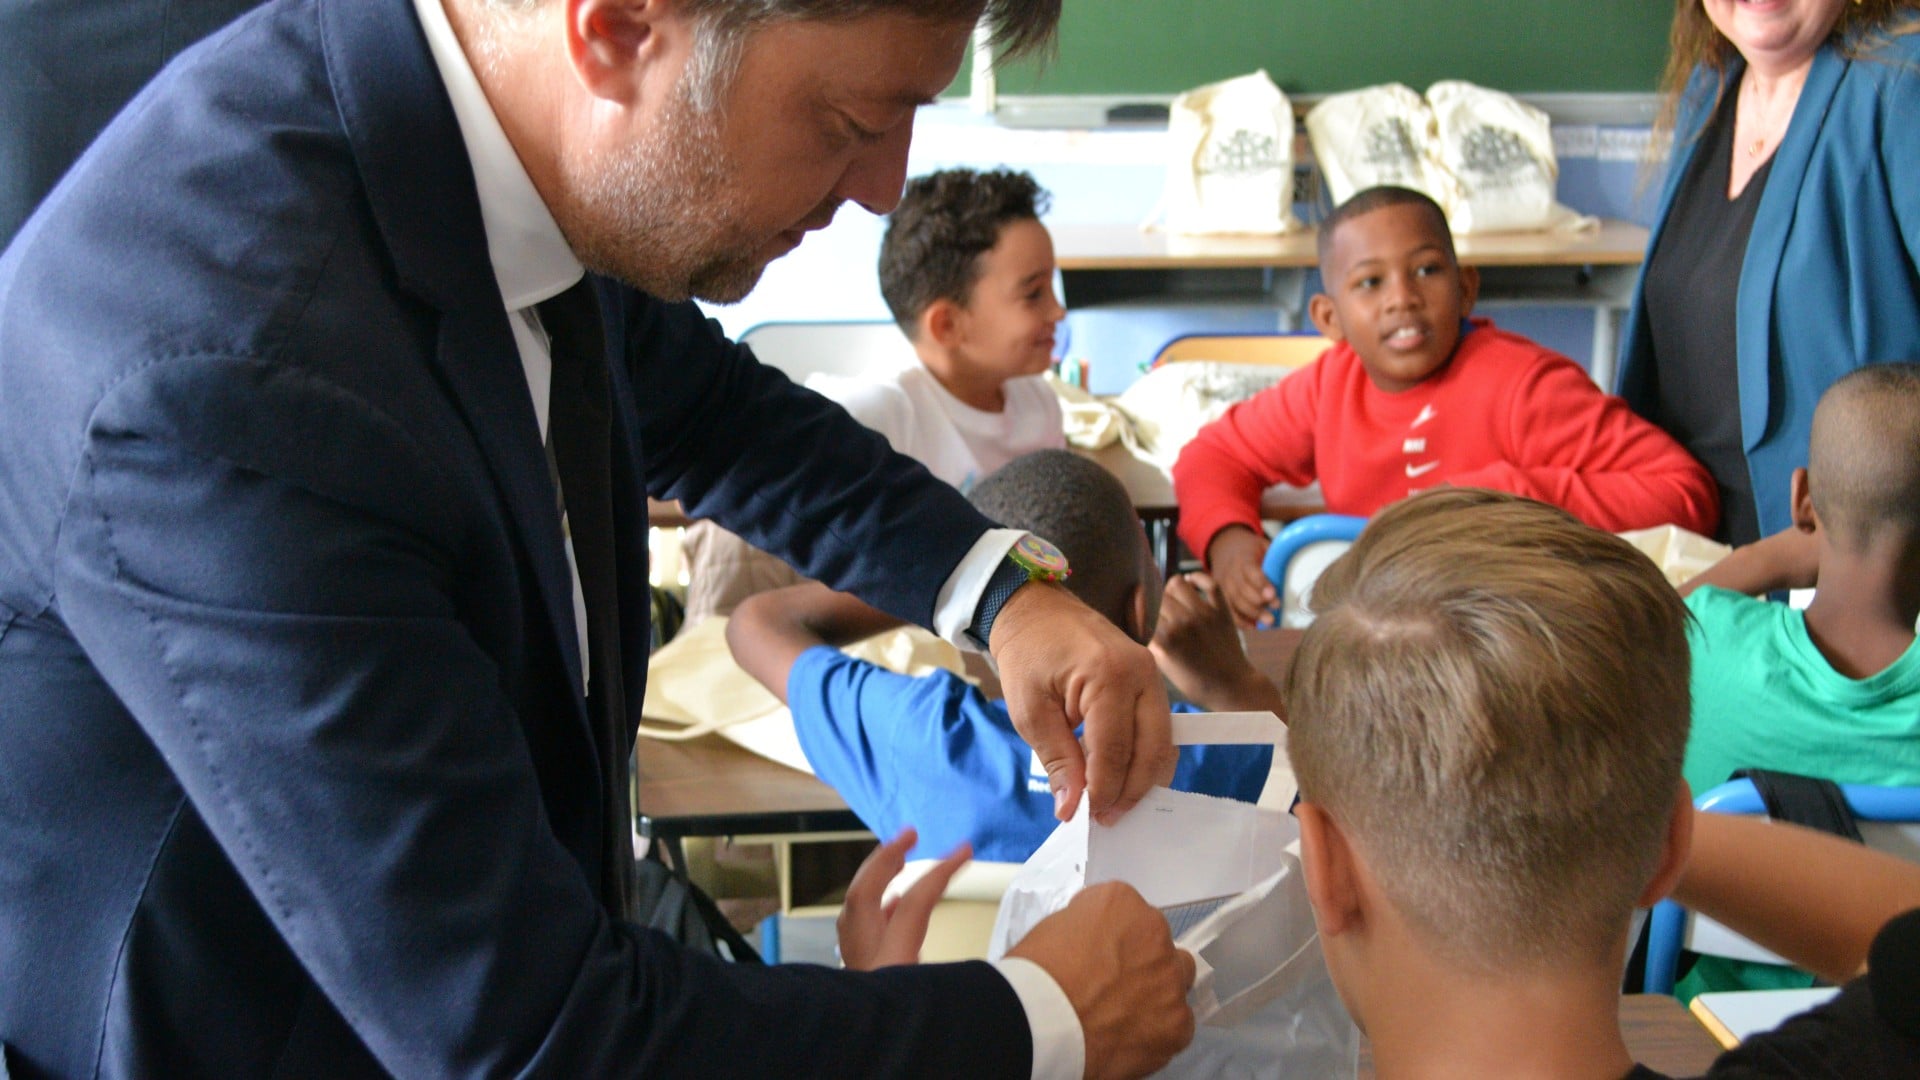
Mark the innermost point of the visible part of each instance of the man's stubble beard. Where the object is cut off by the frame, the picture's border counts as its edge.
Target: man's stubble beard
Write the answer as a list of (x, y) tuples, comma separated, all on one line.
[(664, 213)]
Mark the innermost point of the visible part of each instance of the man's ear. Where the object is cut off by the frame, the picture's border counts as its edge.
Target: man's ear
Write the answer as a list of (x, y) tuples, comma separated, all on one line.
[(1469, 289), (1674, 849), (1800, 495), (615, 44), (1333, 887), (1326, 318)]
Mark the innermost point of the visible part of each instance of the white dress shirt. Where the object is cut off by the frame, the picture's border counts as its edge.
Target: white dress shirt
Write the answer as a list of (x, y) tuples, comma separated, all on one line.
[(532, 263)]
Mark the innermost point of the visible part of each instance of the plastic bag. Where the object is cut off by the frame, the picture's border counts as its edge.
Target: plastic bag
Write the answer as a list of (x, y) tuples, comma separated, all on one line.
[(1227, 874)]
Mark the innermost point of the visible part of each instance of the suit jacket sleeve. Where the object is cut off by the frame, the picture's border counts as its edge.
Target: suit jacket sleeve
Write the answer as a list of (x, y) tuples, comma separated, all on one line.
[(265, 569), (1565, 442), (789, 471)]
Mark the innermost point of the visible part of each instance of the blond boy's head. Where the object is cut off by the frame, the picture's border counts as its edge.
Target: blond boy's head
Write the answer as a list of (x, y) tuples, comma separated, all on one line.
[(1863, 461), (1491, 704)]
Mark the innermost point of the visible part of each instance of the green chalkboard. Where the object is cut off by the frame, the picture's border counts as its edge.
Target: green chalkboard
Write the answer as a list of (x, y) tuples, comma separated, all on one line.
[(1325, 46)]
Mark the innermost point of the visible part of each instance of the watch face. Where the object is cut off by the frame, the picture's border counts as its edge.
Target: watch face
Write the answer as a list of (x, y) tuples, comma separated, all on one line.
[(1040, 558)]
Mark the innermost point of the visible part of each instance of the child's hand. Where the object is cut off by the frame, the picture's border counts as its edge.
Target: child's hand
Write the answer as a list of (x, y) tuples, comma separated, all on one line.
[(876, 934), (1198, 648), (1234, 556), (1789, 559)]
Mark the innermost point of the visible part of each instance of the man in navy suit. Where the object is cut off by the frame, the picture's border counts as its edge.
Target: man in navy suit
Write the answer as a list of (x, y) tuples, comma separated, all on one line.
[(313, 721)]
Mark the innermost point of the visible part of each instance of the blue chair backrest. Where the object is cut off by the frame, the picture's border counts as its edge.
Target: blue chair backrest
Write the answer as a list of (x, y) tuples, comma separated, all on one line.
[(1666, 929), (1299, 535)]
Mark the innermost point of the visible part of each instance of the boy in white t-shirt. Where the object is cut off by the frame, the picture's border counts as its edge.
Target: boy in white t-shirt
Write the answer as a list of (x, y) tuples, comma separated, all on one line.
[(967, 270)]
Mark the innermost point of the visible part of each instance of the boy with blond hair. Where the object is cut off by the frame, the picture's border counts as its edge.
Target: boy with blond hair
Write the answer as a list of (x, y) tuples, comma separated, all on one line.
[(1413, 395), (1487, 721)]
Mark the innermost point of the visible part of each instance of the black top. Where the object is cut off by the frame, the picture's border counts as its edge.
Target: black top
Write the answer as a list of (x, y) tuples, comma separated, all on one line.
[(1693, 284), (1850, 1036)]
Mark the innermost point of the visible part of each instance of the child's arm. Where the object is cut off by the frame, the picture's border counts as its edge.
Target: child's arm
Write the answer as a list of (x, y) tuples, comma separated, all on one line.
[(769, 630), (1789, 559), (1566, 442), (1815, 899), (1222, 472), (1199, 649), (1237, 557)]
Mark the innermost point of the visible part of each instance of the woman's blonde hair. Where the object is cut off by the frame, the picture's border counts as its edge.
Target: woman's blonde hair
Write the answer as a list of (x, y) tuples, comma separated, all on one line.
[(1493, 702)]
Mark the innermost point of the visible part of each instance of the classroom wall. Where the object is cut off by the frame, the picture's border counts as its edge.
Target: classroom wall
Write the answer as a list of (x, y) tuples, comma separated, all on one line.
[(1113, 175)]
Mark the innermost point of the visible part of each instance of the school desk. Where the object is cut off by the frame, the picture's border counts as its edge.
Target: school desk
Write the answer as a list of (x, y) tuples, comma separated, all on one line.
[(1106, 264)]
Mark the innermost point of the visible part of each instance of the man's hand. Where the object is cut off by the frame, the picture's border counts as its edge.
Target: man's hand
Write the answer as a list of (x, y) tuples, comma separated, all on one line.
[(1198, 647), (875, 933), (1234, 556), (1063, 665), (1115, 960)]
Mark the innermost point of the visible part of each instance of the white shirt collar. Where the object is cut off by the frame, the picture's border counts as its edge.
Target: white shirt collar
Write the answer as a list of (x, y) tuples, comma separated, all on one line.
[(531, 259)]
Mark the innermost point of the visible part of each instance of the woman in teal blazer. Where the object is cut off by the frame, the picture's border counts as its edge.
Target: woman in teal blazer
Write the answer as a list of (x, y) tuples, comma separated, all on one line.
[(1827, 278)]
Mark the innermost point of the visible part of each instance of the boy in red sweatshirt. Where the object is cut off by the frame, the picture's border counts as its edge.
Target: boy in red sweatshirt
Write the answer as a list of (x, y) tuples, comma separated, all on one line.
[(1413, 395)]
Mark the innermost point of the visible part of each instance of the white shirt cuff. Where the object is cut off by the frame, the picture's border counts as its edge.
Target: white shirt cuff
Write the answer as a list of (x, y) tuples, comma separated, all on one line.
[(1059, 1046), (953, 610)]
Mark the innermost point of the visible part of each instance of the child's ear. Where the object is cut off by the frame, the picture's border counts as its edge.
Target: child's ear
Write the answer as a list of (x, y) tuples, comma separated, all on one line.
[(1333, 886), (940, 322), (1140, 619), (1800, 495), (1469, 289), (1326, 318), (1674, 849)]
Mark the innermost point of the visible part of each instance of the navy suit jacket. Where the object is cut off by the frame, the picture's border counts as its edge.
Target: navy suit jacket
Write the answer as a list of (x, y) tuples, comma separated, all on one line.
[(295, 771)]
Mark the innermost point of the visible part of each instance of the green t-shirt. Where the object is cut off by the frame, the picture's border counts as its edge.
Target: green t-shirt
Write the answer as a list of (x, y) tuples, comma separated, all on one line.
[(1764, 697)]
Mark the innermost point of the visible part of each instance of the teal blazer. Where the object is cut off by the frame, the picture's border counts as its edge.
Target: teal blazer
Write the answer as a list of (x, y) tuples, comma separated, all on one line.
[(1831, 279)]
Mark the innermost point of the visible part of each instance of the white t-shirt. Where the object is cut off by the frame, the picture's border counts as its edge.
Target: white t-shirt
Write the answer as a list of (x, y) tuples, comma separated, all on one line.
[(955, 441)]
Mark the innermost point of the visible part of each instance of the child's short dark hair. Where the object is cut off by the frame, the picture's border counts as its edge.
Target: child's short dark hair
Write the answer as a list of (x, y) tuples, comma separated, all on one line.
[(945, 221), (1083, 510), (1864, 456), (1379, 198)]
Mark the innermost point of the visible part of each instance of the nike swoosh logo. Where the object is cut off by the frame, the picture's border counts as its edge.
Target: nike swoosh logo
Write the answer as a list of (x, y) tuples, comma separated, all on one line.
[(1426, 414), (1414, 471)]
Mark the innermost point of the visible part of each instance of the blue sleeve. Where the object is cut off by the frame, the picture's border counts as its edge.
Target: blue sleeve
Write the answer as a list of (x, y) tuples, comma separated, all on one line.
[(1230, 772), (931, 752)]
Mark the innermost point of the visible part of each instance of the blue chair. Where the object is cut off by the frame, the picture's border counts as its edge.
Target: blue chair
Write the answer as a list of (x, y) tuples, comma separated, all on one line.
[(1672, 926), (1292, 575)]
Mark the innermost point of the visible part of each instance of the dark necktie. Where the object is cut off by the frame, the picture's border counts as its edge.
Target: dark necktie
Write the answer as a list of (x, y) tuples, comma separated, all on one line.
[(579, 434)]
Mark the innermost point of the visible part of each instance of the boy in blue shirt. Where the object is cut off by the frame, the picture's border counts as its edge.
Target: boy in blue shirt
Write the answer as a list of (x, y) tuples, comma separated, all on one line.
[(934, 751)]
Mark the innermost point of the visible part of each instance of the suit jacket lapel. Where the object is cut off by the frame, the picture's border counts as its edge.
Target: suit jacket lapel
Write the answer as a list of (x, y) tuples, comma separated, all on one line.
[(1766, 245), (380, 67)]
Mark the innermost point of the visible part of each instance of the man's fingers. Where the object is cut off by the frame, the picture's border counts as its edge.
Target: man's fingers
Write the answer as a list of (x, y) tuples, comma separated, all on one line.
[(1051, 736), (1152, 727)]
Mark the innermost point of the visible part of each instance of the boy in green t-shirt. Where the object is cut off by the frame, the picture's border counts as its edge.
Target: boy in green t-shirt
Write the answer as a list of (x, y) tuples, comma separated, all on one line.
[(1834, 691)]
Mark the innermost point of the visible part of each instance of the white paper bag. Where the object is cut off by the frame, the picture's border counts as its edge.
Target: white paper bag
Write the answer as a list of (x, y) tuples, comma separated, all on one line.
[(1228, 876), (1230, 159)]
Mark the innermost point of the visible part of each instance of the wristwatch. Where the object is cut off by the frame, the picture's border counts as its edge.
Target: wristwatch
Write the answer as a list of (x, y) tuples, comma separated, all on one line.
[(1030, 559)]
